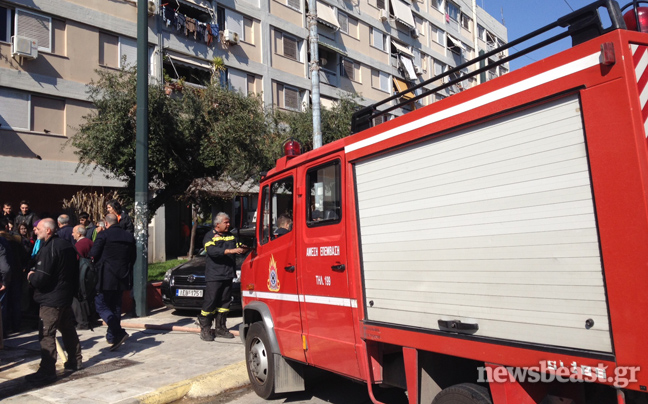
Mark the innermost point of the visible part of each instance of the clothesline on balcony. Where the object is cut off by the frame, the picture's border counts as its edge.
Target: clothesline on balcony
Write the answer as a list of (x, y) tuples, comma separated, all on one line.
[(201, 31)]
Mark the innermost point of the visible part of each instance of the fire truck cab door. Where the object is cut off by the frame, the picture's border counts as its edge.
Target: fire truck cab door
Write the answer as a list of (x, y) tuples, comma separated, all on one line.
[(275, 273), (326, 306)]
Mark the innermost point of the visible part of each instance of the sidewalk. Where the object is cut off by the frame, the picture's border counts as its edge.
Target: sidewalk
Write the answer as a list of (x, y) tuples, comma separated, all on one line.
[(162, 361)]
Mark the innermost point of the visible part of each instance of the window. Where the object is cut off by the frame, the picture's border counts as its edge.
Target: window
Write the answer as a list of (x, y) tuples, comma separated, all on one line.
[(291, 98), (324, 195), (380, 4), (420, 25), (14, 109), (252, 82), (350, 70), (47, 115), (35, 26), (452, 10), (5, 24), (248, 30), (234, 22), (296, 4), (466, 22), (380, 80), (238, 80), (381, 119), (20, 110), (290, 47), (378, 39), (220, 17), (439, 36), (108, 50), (439, 67), (481, 32), (276, 210), (343, 19), (438, 4)]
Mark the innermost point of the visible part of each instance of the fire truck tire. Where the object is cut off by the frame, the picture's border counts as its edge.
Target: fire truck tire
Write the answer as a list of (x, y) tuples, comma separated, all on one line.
[(260, 361), (465, 393)]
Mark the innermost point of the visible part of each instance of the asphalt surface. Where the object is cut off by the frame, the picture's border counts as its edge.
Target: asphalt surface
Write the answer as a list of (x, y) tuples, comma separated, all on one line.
[(163, 361)]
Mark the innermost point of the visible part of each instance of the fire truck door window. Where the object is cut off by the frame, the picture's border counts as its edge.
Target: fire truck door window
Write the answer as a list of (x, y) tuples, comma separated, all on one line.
[(324, 195), (277, 209)]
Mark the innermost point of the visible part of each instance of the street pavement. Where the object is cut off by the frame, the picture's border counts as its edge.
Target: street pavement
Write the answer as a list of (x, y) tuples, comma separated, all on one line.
[(163, 361)]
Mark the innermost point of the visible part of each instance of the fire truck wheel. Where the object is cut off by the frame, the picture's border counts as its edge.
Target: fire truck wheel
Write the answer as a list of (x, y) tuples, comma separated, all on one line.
[(465, 393), (260, 361)]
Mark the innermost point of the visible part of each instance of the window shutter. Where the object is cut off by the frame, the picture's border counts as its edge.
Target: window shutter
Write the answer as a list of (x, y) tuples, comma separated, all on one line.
[(291, 98), (35, 26), (294, 4), (290, 47), (234, 22), (128, 48), (238, 80), (384, 81), (347, 69), (14, 109), (343, 19), (378, 39)]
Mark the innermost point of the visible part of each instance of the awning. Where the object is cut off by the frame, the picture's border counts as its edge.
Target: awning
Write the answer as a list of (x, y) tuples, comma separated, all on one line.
[(333, 48), (455, 42), (189, 61), (402, 86), (402, 49), (326, 15), (409, 67), (192, 4), (403, 13)]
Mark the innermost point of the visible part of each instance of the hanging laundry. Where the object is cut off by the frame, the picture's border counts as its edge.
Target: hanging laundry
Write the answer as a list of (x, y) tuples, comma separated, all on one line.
[(200, 31), (206, 33), (190, 26), (180, 21), (209, 37), (214, 30)]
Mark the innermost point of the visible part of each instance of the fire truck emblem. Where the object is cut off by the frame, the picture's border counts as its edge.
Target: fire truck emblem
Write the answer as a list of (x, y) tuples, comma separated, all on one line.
[(273, 281)]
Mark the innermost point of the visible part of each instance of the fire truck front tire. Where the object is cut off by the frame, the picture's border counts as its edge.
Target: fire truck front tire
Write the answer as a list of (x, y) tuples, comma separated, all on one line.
[(464, 393), (260, 361)]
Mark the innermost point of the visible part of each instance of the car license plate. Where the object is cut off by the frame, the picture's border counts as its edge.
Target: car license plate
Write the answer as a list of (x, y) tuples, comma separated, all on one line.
[(189, 292)]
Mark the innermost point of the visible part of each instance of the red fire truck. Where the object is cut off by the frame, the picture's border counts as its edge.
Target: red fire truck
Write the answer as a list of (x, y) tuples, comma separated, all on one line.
[(491, 247)]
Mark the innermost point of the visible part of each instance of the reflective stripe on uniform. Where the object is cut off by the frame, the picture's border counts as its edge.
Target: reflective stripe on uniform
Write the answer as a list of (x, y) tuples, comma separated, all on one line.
[(217, 239)]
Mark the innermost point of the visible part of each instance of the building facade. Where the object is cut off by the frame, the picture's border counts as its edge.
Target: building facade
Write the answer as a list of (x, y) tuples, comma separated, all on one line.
[(50, 50)]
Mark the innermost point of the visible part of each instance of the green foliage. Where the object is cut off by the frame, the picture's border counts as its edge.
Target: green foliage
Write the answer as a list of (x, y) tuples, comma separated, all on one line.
[(209, 132), (157, 270), (335, 122)]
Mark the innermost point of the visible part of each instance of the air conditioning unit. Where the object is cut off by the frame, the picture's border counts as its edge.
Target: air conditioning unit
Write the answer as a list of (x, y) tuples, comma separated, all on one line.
[(501, 55), (383, 15), (24, 47), (418, 70), (152, 8), (231, 37), (415, 33)]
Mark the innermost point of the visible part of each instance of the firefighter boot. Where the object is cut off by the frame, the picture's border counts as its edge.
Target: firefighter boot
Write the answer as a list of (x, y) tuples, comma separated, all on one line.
[(205, 327), (221, 327)]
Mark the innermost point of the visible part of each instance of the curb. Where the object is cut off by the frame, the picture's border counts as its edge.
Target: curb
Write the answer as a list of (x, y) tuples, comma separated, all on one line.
[(210, 384)]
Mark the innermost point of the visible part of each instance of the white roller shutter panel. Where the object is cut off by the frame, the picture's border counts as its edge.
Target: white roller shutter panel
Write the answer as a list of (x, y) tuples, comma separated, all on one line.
[(238, 80), (35, 26), (128, 48), (14, 109), (492, 225), (234, 22)]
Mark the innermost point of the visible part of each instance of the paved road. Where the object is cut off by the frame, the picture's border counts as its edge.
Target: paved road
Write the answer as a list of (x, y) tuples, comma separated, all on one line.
[(321, 387)]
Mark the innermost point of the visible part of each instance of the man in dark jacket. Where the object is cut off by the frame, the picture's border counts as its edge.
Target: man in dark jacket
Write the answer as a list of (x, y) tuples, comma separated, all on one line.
[(220, 270), (64, 228), (25, 216), (55, 279), (114, 255)]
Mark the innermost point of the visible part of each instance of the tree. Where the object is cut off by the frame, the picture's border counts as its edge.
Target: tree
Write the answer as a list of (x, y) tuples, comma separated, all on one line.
[(204, 132), (335, 122)]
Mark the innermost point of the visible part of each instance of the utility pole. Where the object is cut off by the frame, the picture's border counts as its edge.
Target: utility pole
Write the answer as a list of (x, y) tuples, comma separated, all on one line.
[(140, 273), (314, 71)]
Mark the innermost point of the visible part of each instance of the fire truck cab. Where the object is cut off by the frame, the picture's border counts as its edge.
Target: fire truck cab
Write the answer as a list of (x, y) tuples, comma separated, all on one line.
[(491, 247)]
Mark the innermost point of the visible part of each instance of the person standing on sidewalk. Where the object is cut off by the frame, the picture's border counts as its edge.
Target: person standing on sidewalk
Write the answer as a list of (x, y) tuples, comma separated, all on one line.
[(55, 278), (220, 270), (114, 255)]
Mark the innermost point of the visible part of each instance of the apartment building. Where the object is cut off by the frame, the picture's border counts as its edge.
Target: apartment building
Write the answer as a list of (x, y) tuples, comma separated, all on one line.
[(369, 47)]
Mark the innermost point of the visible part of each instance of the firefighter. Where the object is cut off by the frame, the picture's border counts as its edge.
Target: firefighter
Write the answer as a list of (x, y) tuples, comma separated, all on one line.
[(220, 270)]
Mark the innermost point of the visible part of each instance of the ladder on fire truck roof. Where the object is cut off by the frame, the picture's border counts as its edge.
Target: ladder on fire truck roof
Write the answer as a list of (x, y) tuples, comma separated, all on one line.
[(582, 25)]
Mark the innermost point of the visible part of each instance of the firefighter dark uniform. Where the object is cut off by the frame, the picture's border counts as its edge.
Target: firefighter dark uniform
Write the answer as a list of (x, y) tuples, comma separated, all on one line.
[(220, 270)]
